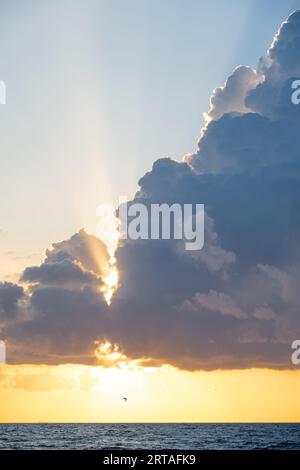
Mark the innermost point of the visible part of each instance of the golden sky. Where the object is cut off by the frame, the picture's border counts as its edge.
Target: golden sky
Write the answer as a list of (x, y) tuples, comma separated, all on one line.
[(72, 393)]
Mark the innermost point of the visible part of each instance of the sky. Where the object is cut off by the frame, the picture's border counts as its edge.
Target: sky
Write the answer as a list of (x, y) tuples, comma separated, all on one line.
[(97, 90), (106, 99)]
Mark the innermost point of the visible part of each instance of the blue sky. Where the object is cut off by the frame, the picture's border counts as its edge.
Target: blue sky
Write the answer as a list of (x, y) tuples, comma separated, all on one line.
[(97, 91)]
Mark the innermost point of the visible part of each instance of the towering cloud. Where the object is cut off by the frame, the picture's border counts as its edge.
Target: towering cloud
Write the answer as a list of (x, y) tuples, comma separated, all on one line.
[(64, 311), (233, 304)]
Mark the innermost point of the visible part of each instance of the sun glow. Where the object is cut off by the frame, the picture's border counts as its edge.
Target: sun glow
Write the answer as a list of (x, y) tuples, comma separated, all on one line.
[(110, 355), (78, 393), (108, 351), (111, 283)]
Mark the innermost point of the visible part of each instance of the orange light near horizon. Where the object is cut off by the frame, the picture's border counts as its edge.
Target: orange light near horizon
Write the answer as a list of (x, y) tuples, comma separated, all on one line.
[(111, 355)]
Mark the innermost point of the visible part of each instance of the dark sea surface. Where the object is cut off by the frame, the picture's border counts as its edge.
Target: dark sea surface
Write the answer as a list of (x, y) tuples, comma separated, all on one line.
[(150, 436)]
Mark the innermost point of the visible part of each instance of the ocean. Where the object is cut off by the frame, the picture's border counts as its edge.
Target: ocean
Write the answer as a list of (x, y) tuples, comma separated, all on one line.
[(150, 436)]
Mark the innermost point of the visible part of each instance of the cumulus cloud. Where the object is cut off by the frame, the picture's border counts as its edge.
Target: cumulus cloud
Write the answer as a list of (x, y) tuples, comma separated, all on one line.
[(86, 249), (231, 97), (10, 295), (64, 304), (272, 97), (216, 302), (234, 304), (61, 272), (246, 172), (284, 51)]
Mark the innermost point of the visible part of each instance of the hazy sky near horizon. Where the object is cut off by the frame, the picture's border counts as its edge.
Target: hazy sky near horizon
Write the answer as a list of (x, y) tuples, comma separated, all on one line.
[(97, 91), (72, 393)]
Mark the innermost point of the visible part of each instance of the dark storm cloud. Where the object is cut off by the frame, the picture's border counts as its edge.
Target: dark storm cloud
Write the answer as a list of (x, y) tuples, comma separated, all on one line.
[(10, 295), (233, 304), (63, 326), (245, 312), (65, 307), (62, 272)]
